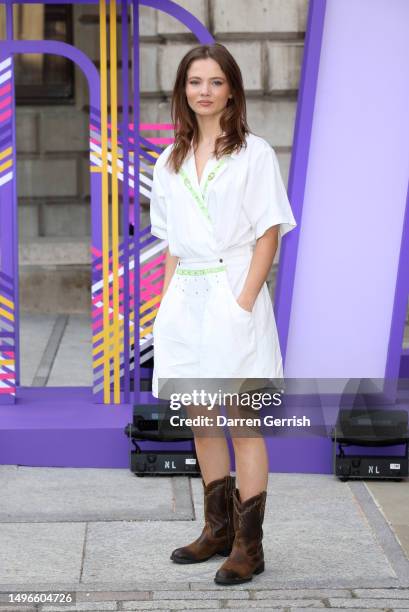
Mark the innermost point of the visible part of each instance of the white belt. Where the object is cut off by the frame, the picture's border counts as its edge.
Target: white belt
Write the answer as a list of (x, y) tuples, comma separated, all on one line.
[(223, 256)]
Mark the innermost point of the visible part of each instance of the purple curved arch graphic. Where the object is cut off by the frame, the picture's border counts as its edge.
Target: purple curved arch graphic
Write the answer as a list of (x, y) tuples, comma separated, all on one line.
[(182, 15), (52, 47)]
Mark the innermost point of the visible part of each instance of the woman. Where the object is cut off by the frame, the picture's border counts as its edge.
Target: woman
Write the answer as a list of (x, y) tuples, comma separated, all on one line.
[(219, 201)]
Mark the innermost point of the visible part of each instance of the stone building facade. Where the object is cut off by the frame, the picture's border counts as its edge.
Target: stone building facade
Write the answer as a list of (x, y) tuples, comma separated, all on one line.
[(267, 39)]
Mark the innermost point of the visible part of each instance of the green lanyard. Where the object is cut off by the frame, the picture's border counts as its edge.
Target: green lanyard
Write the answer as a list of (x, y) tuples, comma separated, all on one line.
[(200, 197)]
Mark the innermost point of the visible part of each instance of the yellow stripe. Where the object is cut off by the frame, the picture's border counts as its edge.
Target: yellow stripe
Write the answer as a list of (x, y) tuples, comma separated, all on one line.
[(105, 203), (6, 153), (98, 349), (6, 302), (4, 362), (95, 169), (115, 205), (6, 165), (146, 331), (150, 303), (142, 309), (148, 317), (6, 314), (98, 154), (98, 336)]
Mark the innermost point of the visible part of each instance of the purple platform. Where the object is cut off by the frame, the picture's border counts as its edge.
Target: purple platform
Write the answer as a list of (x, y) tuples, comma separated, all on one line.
[(62, 427)]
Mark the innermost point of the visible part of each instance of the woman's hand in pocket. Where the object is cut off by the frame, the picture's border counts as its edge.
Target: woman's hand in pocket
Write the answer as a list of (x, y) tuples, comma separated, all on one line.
[(245, 303)]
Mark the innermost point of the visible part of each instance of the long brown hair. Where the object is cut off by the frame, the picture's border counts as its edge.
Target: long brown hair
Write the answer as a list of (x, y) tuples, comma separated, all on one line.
[(233, 119)]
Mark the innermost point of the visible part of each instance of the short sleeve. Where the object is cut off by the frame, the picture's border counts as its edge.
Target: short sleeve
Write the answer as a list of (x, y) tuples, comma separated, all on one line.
[(158, 207), (266, 202)]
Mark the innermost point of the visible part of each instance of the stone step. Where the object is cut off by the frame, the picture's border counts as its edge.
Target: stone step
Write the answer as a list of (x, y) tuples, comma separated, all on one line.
[(55, 275), (54, 251)]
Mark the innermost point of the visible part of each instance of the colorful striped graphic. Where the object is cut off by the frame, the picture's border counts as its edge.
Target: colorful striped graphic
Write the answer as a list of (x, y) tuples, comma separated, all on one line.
[(7, 300), (7, 332), (121, 170), (112, 158), (6, 116), (151, 269)]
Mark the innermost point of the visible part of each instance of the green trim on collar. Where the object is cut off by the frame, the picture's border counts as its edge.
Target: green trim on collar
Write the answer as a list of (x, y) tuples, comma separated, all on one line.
[(199, 196)]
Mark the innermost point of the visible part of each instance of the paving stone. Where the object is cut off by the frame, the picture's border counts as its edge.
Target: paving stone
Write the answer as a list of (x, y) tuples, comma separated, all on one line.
[(83, 605), (369, 603), (301, 593), (158, 595), (264, 603), (255, 609), (393, 498), (322, 509), (382, 593), (113, 595), (7, 608), (190, 604), (88, 494), (40, 551), (295, 609)]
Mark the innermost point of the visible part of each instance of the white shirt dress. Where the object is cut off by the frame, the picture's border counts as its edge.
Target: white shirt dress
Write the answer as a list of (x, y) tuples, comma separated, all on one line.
[(200, 331)]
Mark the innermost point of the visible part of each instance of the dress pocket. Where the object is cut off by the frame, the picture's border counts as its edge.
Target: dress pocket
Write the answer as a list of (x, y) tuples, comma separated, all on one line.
[(228, 337), (242, 311)]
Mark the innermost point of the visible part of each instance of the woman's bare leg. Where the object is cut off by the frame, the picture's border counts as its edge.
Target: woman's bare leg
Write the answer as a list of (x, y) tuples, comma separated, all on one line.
[(211, 446), (214, 458), (250, 453), (251, 465)]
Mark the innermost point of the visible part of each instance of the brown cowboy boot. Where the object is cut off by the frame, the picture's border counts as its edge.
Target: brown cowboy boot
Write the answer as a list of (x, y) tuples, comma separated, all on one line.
[(218, 533), (247, 556)]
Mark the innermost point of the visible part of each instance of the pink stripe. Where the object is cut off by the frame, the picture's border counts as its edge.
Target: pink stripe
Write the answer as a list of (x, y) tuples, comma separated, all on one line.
[(5, 102), (152, 264), (5, 116), (154, 126), (96, 327), (156, 140), (98, 297), (161, 140), (96, 312), (5, 89), (146, 271), (8, 390), (148, 278), (6, 376), (150, 283)]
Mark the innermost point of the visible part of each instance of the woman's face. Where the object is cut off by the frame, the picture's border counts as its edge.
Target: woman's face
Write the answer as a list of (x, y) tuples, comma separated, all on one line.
[(206, 82)]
